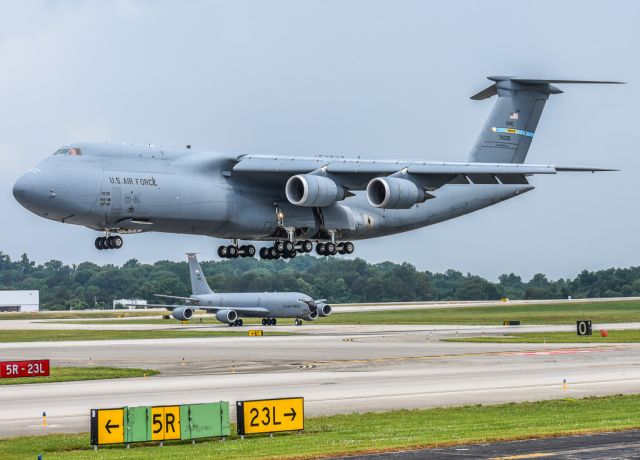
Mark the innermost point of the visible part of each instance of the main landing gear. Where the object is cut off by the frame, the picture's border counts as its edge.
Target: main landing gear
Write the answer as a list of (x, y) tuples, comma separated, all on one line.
[(286, 249), (237, 322), (269, 321), (109, 242), (233, 251), (331, 249)]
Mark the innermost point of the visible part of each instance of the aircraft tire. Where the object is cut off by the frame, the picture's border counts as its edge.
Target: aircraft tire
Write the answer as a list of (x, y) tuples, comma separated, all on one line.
[(298, 322), (279, 246), (250, 250), (264, 321), (330, 249), (239, 321), (307, 246), (289, 246), (232, 252), (116, 242), (273, 321), (349, 247), (222, 252), (98, 243), (292, 254), (264, 253), (320, 248)]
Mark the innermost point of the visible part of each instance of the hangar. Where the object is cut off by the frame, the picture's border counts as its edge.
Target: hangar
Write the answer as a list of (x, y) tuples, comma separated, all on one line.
[(19, 301)]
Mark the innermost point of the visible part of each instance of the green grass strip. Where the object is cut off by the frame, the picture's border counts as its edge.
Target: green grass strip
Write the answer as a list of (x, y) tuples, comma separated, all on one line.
[(37, 335), (67, 374), (349, 434), (622, 336)]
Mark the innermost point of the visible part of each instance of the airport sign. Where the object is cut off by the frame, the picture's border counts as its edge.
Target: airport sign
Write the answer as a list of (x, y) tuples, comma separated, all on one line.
[(33, 368), (270, 415), (255, 332), (584, 328), (107, 426), (159, 423)]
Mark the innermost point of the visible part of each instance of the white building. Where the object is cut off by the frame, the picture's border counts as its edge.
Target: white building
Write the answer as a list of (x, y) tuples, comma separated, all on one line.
[(131, 304), (19, 301)]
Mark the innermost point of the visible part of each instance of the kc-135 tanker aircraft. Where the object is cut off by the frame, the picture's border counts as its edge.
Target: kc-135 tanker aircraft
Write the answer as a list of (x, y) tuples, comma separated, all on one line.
[(288, 200), (229, 308)]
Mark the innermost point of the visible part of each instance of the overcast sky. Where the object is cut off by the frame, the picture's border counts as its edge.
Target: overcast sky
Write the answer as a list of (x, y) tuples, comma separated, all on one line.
[(380, 79)]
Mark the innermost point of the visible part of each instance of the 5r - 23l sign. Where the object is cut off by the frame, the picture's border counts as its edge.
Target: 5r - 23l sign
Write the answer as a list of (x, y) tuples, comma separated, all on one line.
[(270, 415)]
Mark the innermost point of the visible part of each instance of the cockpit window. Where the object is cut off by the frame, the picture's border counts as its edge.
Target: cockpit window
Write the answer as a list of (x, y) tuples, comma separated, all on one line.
[(71, 151)]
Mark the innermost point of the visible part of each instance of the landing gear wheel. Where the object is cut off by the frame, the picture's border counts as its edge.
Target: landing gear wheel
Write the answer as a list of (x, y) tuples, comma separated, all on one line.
[(232, 252), (264, 321), (222, 252), (289, 246), (330, 249), (298, 322), (307, 246), (250, 250), (279, 246), (116, 242), (348, 247), (264, 253), (273, 321), (99, 243), (320, 249), (239, 322)]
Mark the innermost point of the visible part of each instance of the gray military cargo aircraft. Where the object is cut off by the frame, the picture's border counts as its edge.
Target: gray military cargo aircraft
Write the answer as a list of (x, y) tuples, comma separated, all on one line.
[(290, 201), (230, 307)]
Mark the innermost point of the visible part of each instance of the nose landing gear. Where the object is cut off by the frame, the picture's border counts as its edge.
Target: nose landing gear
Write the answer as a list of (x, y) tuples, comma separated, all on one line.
[(109, 242)]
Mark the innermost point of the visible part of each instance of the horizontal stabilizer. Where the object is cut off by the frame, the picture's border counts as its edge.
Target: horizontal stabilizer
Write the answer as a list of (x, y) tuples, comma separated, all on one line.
[(493, 89)]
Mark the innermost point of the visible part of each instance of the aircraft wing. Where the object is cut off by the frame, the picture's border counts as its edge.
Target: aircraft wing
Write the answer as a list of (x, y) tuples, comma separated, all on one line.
[(355, 174), (186, 299)]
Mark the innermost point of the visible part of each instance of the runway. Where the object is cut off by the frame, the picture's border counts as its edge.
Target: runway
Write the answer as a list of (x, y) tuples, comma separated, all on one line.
[(609, 446), (337, 369)]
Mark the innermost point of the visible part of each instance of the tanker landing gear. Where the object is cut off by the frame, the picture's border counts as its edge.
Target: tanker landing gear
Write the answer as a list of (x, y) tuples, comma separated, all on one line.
[(237, 322), (109, 242), (269, 321), (331, 249), (233, 250), (298, 322)]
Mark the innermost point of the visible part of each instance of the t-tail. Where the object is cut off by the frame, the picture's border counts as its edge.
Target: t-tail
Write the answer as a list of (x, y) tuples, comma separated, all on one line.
[(509, 130), (199, 283)]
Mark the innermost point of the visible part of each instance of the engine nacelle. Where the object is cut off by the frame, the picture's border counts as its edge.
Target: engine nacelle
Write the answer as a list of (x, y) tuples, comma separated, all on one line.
[(182, 313), (312, 316), (226, 316), (324, 309), (393, 193), (313, 191)]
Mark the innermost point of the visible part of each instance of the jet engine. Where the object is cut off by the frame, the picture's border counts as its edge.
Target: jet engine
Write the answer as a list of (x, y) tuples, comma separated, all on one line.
[(226, 316), (182, 313), (313, 191), (393, 193), (312, 316), (324, 309)]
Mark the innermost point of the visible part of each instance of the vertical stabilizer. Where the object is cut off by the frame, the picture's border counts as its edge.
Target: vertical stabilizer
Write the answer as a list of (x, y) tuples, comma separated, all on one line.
[(199, 283), (509, 130)]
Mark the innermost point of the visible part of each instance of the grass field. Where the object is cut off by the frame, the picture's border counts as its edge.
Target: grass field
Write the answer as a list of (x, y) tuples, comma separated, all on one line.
[(623, 336), (66, 374), (35, 335), (78, 314), (348, 434), (561, 313)]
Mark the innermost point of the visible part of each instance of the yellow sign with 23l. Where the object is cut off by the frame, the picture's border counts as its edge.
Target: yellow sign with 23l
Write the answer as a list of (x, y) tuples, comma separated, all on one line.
[(270, 415)]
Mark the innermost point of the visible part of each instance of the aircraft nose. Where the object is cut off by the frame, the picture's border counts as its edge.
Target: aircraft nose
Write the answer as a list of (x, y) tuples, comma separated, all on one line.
[(23, 190)]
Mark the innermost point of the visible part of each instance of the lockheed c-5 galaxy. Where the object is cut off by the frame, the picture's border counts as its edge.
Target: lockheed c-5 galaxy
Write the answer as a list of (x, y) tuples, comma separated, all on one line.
[(229, 308), (290, 201)]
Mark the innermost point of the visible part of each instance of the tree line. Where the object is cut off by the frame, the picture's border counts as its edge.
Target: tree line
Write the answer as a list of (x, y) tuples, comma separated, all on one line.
[(88, 285)]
